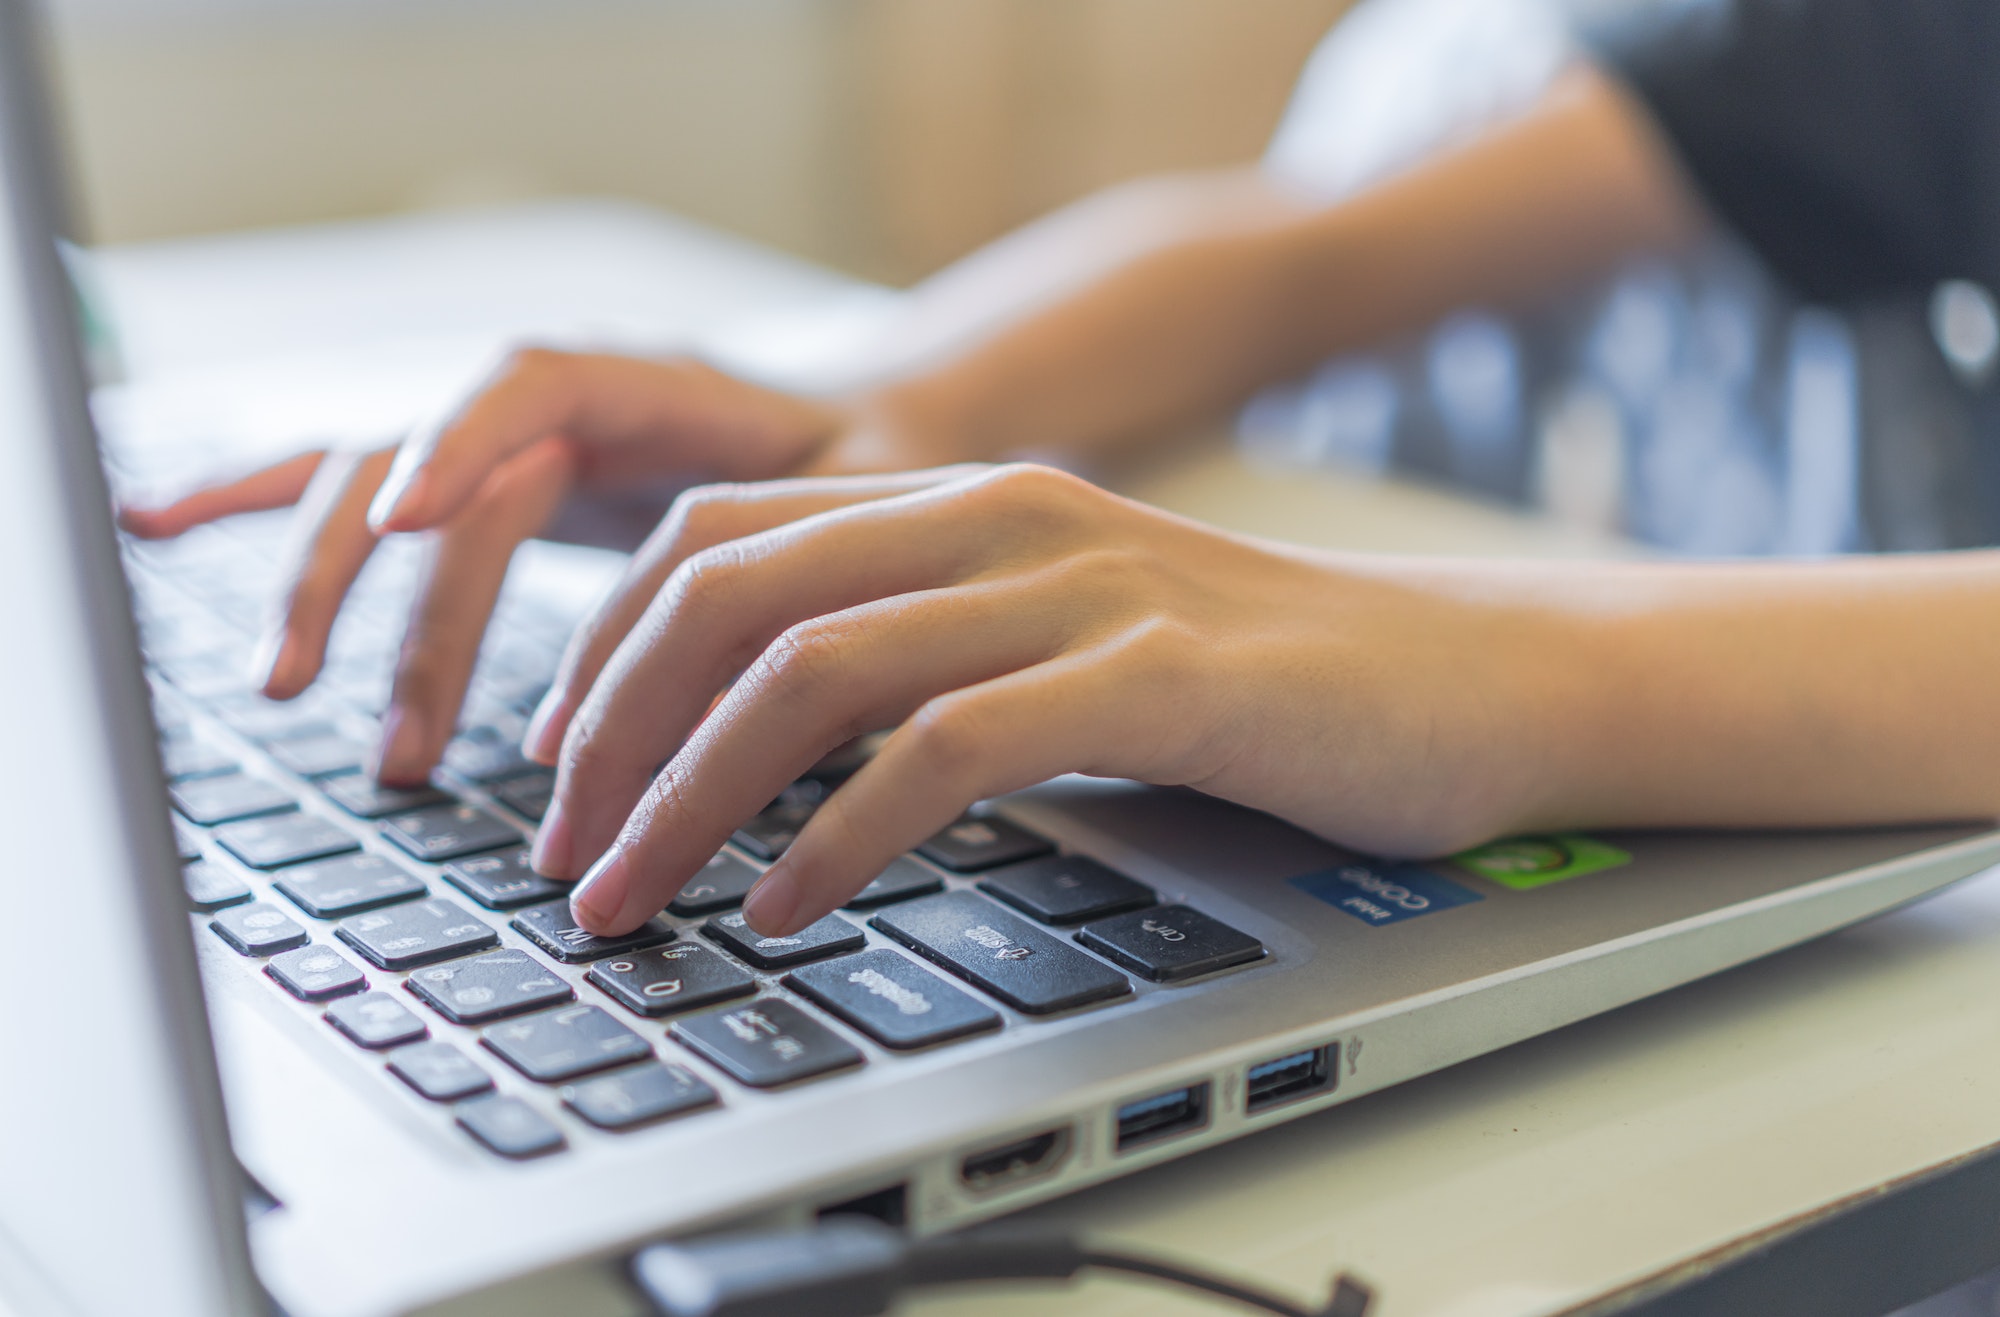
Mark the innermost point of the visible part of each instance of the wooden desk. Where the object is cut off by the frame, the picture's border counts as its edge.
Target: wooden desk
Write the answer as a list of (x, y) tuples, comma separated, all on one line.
[(1533, 1181)]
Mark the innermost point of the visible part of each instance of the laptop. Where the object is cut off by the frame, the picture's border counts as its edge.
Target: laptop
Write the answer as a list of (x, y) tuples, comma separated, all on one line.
[(277, 1039)]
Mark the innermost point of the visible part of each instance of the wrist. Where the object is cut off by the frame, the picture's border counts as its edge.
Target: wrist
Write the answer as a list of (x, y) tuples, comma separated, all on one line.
[(909, 425)]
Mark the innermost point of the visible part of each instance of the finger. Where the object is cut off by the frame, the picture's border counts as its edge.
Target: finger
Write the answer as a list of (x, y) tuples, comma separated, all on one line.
[(1063, 716), (823, 683), (440, 467), (329, 546), (633, 417), (276, 486), (699, 519), (459, 584), (718, 611)]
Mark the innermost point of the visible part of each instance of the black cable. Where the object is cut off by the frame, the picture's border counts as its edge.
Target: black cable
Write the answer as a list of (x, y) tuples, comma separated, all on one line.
[(1215, 1285), (854, 1267)]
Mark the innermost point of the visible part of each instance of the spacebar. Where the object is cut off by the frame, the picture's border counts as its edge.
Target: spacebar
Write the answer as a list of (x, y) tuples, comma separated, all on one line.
[(1015, 961)]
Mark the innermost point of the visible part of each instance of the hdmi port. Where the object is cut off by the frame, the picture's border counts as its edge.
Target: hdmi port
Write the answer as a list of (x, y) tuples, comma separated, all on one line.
[(1011, 1163)]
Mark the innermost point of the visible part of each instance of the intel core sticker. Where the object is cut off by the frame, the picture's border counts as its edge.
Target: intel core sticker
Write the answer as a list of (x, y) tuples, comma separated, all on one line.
[(1525, 863), (1384, 895)]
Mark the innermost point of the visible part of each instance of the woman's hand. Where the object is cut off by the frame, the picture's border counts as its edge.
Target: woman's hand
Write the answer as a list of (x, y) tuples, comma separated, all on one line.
[(1012, 624), (492, 475)]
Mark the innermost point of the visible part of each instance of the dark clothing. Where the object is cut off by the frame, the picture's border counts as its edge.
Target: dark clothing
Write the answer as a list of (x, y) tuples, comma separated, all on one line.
[(1854, 143)]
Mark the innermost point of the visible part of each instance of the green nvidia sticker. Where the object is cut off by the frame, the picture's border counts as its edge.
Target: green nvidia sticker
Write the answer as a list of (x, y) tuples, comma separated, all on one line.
[(1527, 862)]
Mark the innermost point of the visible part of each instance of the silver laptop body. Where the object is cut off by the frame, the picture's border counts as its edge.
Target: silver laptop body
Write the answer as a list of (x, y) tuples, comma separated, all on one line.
[(120, 1188)]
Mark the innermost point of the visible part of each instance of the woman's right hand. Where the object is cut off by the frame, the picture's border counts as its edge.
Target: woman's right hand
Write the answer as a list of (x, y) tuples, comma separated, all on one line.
[(491, 475)]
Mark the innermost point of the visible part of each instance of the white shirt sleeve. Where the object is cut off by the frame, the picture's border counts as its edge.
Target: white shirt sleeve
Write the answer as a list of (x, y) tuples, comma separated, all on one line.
[(1398, 80)]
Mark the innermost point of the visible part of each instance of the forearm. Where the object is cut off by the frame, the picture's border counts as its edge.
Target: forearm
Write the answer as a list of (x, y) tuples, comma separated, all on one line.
[(1847, 692), (1191, 326)]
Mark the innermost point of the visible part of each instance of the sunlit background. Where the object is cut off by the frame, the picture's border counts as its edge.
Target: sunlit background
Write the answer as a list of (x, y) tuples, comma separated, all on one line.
[(1694, 406)]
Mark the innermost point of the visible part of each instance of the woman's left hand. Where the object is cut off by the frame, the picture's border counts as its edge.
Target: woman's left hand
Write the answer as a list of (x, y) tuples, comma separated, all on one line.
[(1013, 624)]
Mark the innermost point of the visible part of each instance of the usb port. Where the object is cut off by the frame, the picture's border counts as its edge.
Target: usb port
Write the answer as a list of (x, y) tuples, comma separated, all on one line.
[(1286, 1078), (1151, 1119)]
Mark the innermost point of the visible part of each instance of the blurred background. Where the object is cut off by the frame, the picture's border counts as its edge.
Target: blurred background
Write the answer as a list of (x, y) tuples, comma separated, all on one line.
[(884, 137), (1696, 406)]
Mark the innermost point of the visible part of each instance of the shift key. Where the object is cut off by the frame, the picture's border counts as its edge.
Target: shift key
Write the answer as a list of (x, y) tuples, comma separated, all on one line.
[(1016, 962)]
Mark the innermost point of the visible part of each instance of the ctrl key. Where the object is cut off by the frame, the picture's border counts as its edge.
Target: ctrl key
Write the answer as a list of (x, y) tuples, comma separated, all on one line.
[(508, 1126), (258, 929)]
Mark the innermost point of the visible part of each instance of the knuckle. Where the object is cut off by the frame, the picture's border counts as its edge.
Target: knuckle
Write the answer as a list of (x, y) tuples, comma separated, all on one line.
[(694, 510), (704, 579), (530, 363), (805, 661), (947, 737), (1034, 483)]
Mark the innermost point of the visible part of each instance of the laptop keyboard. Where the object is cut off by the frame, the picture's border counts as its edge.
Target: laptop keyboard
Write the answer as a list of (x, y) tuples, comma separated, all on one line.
[(410, 920)]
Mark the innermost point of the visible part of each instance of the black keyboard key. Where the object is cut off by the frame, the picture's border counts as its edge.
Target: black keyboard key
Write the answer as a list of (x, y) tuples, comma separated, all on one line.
[(187, 842), (365, 798), (1007, 956), (502, 881), (282, 839), (446, 832), (975, 844), (186, 759), (564, 1044), (439, 1071), (722, 883), (664, 980), (529, 794), (550, 927), (230, 797), (637, 1094), (258, 929), (418, 933), (767, 835), (335, 889), (316, 973), (892, 999), (766, 1042), (376, 1020), (903, 879), (1066, 889), (1170, 943), (318, 756), (211, 887), (485, 755), (489, 987), (825, 937), (508, 1126)]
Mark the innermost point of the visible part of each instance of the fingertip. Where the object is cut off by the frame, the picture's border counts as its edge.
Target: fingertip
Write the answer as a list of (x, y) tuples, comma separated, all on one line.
[(772, 907), (400, 758), (398, 504), (146, 523), (542, 742), (600, 898), (554, 847)]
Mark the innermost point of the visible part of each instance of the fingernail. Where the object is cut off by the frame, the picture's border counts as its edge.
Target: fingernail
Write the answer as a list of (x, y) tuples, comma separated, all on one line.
[(271, 661), (551, 856), (771, 904), (395, 495), (536, 741), (601, 895)]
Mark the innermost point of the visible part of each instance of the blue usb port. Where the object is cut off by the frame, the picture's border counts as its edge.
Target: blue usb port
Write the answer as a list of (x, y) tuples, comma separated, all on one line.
[(1289, 1077), (1161, 1117)]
